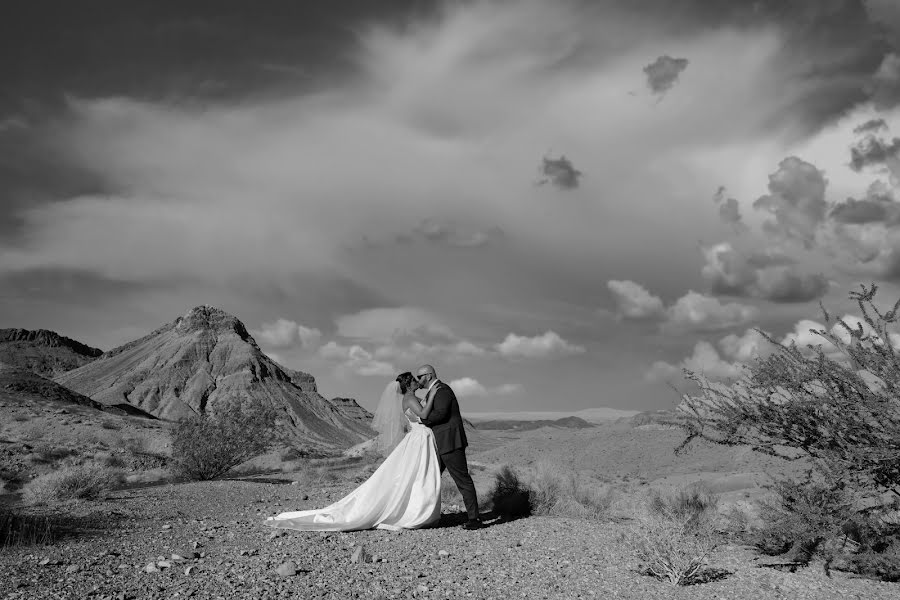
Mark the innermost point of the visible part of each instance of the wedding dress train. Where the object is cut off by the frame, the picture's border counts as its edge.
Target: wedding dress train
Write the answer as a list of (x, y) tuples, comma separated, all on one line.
[(403, 493)]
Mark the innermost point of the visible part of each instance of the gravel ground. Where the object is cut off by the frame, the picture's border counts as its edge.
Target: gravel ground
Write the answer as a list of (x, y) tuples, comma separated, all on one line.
[(218, 528)]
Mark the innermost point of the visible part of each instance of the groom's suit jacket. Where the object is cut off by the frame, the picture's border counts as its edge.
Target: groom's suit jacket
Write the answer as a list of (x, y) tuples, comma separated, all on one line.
[(445, 420)]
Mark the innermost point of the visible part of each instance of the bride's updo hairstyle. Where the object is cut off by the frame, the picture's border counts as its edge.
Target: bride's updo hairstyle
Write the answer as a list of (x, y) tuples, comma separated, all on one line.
[(405, 380)]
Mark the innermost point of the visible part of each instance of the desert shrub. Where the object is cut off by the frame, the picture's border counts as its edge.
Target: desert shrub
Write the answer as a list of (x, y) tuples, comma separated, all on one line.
[(510, 496), (18, 529), (673, 535), (113, 425), (78, 482), (565, 493), (839, 411), (108, 459), (207, 446)]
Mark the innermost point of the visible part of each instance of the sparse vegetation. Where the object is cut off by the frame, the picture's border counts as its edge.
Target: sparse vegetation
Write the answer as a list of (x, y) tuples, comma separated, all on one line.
[(77, 482), (209, 445), (18, 529), (509, 496), (674, 534), (549, 492), (836, 407)]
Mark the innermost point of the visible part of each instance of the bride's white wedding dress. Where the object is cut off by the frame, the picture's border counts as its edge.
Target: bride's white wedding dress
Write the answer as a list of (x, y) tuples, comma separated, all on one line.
[(403, 493)]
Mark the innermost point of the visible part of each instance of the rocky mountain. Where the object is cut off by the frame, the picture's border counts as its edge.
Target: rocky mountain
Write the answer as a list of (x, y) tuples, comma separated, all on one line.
[(201, 361), (352, 410), (21, 385), (43, 352)]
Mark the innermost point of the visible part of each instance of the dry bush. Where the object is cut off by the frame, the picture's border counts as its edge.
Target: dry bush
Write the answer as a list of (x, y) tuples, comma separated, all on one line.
[(209, 445), (79, 482), (113, 425), (673, 535), (510, 497), (839, 411), (18, 529)]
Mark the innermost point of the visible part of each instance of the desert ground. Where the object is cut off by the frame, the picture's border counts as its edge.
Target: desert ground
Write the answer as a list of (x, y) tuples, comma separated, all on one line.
[(158, 538)]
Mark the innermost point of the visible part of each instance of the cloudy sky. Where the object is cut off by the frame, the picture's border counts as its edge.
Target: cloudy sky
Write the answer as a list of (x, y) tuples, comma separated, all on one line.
[(558, 203)]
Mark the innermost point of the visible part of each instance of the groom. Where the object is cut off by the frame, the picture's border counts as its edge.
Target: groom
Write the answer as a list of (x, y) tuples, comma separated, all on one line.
[(450, 438)]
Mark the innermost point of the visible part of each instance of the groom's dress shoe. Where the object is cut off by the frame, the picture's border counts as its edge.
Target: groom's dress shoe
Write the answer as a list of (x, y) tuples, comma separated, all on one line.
[(473, 524)]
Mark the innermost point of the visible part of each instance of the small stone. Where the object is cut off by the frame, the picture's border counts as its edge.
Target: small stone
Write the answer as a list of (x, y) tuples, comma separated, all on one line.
[(164, 564), (288, 569), (520, 543), (422, 589), (166, 527), (304, 497), (189, 570), (44, 561), (443, 553), (151, 568), (295, 483), (73, 569), (359, 555)]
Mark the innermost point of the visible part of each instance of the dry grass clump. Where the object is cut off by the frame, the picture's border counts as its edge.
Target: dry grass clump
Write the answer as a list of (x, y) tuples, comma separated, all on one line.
[(565, 493), (549, 491), (18, 529), (77, 482), (673, 535)]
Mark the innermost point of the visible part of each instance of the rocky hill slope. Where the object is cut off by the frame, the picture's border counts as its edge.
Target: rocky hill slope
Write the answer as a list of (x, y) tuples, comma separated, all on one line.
[(202, 360), (44, 352)]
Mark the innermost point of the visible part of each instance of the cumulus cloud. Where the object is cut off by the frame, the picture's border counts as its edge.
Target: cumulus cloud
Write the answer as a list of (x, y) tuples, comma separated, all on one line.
[(796, 200), (356, 359), (885, 85), (559, 172), (466, 387), (870, 126), (759, 275), (635, 302), (704, 360), (879, 205), (664, 72), (873, 151), (746, 347), (284, 333), (699, 312), (546, 345)]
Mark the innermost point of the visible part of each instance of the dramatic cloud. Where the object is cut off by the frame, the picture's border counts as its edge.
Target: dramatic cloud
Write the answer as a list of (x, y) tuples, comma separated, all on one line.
[(878, 206), (874, 151), (635, 302), (284, 333), (547, 345), (885, 85), (765, 276), (729, 211), (663, 73), (745, 348), (796, 200), (698, 312), (559, 172), (870, 126)]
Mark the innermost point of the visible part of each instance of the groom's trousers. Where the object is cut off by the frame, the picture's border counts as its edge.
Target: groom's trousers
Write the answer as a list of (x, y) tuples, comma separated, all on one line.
[(455, 462)]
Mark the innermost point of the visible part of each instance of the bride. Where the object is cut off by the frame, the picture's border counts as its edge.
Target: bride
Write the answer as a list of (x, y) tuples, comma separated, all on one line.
[(405, 491)]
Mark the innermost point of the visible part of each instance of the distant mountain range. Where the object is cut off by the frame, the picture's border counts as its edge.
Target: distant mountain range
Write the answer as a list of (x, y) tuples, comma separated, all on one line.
[(591, 415), (192, 365), (522, 425), (43, 352)]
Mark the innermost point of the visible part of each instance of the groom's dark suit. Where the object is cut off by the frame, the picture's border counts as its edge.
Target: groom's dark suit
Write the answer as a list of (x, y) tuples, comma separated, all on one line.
[(450, 439)]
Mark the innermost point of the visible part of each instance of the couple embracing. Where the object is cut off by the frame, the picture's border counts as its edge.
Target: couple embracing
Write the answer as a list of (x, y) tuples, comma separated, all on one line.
[(420, 439)]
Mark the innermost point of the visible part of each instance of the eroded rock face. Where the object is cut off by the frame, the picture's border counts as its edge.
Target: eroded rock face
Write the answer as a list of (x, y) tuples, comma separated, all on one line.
[(43, 352), (352, 410), (199, 362)]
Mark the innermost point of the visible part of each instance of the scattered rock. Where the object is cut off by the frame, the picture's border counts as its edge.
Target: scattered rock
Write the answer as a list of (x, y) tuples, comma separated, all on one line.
[(189, 570), (164, 564), (73, 569), (443, 553), (166, 527), (287, 569), (359, 555), (151, 568)]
